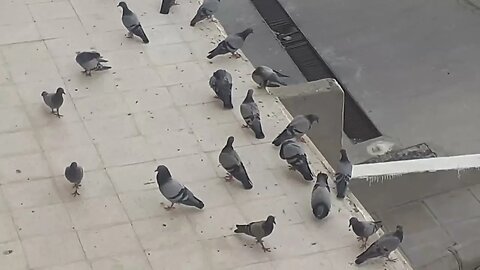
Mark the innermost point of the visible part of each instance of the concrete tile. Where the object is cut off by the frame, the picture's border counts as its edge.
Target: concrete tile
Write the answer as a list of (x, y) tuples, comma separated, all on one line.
[(31, 193), (21, 32), (8, 96), (143, 204), (96, 212), (168, 54), (51, 11), (22, 73), (192, 93), (40, 115), (43, 251), (133, 177), (280, 207), (132, 150), (18, 143), (81, 86), (265, 185), (216, 222), (80, 265), (257, 266), (476, 191), (173, 143), (38, 221), (127, 59), (104, 242), (200, 34), (185, 72), (192, 254), (8, 231), (86, 155), (314, 261), (464, 231), (213, 192), (290, 240), (61, 27), (16, 260), (15, 53), (189, 168), (30, 92), (25, 167), (115, 128), (165, 34), (67, 46), (113, 40), (3, 203), (69, 135), (13, 13), (137, 261), (215, 138), (158, 121), (445, 206), (147, 99), (94, 184), (105, 105), (164, 232), (204, 115), (128, 79)]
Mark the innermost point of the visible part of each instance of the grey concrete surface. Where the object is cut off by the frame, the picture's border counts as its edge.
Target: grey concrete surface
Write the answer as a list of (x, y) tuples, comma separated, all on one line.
[(323, 95), (439, 210)]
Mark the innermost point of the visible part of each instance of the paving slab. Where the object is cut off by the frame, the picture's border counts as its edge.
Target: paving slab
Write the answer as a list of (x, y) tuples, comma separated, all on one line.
[(153, 107)]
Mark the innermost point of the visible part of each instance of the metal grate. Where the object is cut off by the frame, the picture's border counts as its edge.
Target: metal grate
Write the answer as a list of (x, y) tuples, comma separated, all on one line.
[(357, 126)]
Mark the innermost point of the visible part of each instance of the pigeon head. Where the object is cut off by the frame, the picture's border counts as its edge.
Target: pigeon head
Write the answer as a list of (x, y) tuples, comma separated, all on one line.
[(44, 93), (399, 232), (122, 4), (249, 97), (60, 91), (74, 165), (163, 174), (271, 220), (312, 118), (344, 157), (244, 34), (353, 221), (230, 141), (322, 180)]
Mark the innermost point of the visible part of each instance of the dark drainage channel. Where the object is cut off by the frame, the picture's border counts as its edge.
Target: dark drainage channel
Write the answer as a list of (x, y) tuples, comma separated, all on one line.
[(357, 125)]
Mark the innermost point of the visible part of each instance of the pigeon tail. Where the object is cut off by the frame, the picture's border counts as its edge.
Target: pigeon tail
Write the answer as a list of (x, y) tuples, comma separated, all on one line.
[(280, 74), (227, 102), (341, 182), (194, 201), (257, 129), (285, 135), (240, 173), (304, 169), (102, 67), (369, 253), (321, 210), (198, 17), (242, 229), (275, 84)]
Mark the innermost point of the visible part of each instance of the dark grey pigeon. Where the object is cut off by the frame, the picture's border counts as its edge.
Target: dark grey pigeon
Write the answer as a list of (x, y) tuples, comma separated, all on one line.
[(231, 44), (54, 100), (131, 22), (174, 191), (258, 229), (293, 153), (343, 175), (385, 245), (265, 76), (300, 125), (364, 229), (230, 161), (320, 201), (91, 61), (251, 115), (221, 83), (74, 175), (206, 10)]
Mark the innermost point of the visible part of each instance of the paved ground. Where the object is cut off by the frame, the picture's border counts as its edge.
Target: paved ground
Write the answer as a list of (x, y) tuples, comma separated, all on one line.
[(154, 107)]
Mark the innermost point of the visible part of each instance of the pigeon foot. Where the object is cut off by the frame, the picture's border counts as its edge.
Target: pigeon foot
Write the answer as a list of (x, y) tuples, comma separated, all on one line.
[(228, 177)]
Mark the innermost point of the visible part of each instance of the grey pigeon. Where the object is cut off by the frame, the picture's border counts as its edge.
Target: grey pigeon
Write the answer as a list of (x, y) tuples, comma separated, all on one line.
[(343, 175), (383, 246), (206, 10), (293, 153), (91, 61), (74, 175), (230, 161), (364, 229), (300, 125), (258, 229), (54, 100), (131, 22), (174, 191), (265, 76), (320, 201), (251, 115), (221, 83), (231, 44)]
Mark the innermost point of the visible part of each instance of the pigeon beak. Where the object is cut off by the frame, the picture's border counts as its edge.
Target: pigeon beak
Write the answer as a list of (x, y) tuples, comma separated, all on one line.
[(156, 170)]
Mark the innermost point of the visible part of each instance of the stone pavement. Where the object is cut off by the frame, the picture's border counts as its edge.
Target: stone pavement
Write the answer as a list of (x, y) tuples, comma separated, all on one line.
[(153, 107)]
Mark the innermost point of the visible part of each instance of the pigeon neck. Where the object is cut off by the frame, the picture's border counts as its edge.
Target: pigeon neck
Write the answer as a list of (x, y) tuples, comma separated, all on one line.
[(244, 34), (248, 99), (399, 234), (344, 157), (126, 11)]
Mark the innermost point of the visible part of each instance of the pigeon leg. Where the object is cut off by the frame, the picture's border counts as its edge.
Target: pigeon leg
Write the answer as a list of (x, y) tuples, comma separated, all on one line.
[(364, 244), (75, 193), (236, 55), (291, 168), (244, 126), (53, 112), (228, 177), (174, 3), (390, 260), (129, 35), (58, 113), (265, 249), (170, 207), (216, 97), (302, 140), (88, 73)]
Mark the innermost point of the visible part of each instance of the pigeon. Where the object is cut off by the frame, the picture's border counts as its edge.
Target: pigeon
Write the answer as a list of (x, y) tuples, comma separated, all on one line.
[(231, 44), (206, 10), (258, 229), (343, 175), (54, 100), (300, 125), (74, 175), (383, 246), (221, 83), (174, 191), (231, 162), (91, 61), (251, 115), (131, 22), (320, 201), (265, 76), (364, 229), (293, 153)]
